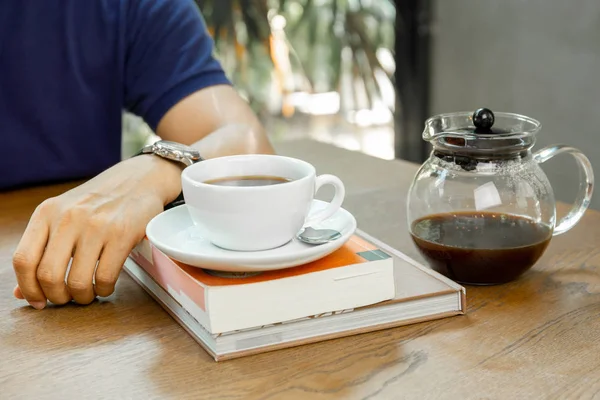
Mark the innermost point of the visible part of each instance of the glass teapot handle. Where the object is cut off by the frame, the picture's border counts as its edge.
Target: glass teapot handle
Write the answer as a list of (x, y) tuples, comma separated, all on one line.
[(586, 186)]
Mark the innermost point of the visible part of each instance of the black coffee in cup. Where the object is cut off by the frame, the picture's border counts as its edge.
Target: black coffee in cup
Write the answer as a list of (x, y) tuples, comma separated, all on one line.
[(254, 180)]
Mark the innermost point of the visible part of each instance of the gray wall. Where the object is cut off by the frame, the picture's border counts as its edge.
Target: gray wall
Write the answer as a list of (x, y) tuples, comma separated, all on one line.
[(540, 58)]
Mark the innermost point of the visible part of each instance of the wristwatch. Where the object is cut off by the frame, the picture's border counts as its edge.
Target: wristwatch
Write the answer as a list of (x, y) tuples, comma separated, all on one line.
[(176, 152), (172, 151)]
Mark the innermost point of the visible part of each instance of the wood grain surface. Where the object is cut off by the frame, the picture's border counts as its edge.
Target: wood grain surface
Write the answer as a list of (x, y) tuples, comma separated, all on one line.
[(536, 338)]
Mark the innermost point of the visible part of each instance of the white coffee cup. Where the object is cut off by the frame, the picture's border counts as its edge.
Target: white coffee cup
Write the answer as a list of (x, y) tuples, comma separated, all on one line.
[(252, 218)]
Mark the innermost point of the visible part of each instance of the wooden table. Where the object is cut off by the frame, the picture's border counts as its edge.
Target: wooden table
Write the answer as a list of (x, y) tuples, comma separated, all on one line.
[(538, 337)]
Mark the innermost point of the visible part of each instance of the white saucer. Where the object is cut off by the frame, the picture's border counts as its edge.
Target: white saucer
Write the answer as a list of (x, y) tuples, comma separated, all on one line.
[(174, 233)]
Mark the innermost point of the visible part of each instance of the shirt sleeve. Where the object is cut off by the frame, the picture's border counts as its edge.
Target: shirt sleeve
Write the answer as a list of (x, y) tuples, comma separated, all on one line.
[(168, 56)]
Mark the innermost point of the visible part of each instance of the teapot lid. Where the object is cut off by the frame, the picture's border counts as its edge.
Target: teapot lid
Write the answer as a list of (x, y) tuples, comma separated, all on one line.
[(481, 133)]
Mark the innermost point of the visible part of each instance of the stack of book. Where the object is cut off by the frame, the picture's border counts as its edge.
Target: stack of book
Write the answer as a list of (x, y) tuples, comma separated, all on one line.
[(364, 286)]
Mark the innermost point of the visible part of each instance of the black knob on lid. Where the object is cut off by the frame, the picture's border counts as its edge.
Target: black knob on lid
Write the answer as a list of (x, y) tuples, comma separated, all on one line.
[(483, 119)]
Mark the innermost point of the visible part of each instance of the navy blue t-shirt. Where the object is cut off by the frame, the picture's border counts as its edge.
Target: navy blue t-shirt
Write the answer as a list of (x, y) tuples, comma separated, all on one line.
[(68, 68)]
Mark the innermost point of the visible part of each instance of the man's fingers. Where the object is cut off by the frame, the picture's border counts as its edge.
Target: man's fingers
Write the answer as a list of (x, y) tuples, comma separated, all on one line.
[(81, 275), (111, 261), (27, 257), (52, 270)]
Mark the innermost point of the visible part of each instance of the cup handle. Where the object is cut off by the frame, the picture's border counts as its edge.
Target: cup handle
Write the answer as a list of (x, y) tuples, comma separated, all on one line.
[(586, 185), (334, 205)]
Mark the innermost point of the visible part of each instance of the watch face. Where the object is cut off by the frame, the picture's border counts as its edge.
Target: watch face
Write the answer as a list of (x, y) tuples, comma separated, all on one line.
[(176, 152), (175, 146)]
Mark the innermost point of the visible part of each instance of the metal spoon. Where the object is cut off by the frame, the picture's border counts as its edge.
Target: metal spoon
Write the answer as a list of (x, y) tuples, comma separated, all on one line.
[(318, 236)]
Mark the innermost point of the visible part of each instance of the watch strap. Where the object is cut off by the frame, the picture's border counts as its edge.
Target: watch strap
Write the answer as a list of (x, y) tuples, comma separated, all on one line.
[(177, 202)]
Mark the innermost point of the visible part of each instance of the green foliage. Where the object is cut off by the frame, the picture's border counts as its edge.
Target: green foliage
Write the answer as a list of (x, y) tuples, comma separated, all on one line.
[(325, 39)]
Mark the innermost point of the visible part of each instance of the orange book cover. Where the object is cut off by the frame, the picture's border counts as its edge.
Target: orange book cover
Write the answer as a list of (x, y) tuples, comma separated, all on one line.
[(193, 281)]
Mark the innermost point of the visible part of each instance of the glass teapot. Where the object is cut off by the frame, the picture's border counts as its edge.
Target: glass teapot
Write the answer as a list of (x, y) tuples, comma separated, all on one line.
[(480, 209)]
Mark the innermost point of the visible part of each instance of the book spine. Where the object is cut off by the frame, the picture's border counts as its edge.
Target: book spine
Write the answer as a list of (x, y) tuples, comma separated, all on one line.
[(188, 293)]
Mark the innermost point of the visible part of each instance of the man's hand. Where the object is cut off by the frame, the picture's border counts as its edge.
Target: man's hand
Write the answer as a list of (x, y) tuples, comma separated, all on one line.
[(97, 224)]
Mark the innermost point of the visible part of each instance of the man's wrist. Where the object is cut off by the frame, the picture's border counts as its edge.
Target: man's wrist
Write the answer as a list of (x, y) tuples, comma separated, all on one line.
[(164, 176)]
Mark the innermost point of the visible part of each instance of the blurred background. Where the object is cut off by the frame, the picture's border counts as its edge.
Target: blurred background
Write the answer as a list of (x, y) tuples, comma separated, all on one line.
[(365, 74)]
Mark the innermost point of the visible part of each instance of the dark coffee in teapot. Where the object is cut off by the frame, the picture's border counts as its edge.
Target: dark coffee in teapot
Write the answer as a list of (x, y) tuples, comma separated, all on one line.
[(480, 248)]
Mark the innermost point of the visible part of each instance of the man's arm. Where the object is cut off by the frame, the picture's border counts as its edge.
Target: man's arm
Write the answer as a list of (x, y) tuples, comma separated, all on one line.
[(216, 121), (179, 88)]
